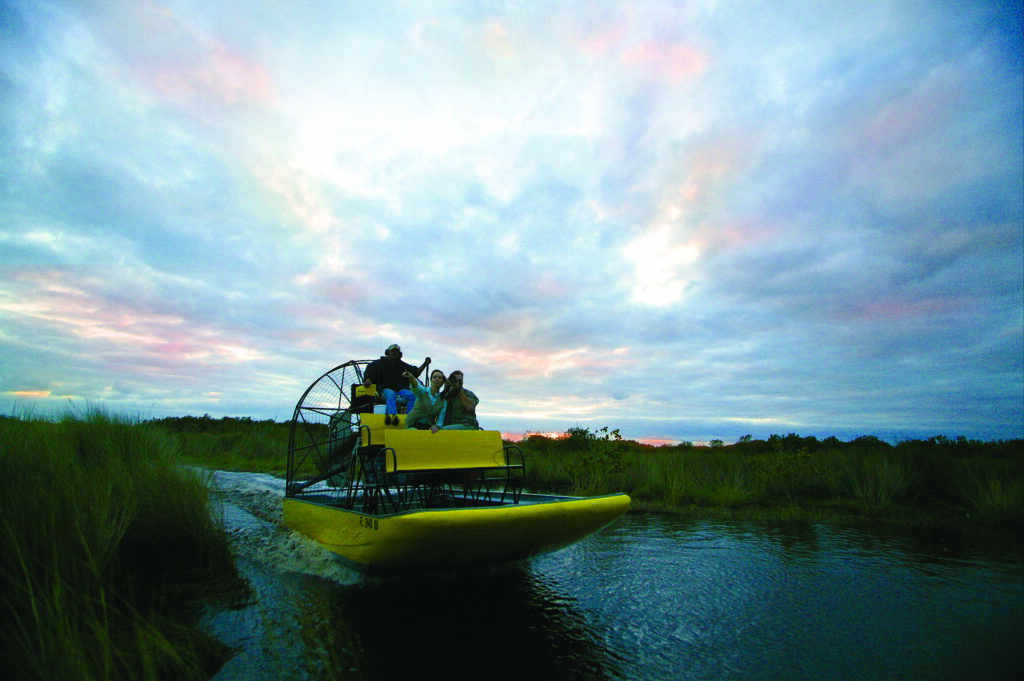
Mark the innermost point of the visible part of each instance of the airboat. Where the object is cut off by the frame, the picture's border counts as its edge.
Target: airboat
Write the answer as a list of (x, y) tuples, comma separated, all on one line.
[(385, 498)]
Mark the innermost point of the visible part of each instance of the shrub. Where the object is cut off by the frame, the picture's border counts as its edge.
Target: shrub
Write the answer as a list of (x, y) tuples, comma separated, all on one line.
[(595, 459)]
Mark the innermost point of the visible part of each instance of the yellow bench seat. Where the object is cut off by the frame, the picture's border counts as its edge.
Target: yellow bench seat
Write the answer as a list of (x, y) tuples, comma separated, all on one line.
[(421, 450)]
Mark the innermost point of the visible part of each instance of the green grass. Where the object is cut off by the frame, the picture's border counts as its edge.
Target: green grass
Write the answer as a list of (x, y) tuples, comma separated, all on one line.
[(990, 489), (791, 476), (108, 547), (228, 443), (873, 480)]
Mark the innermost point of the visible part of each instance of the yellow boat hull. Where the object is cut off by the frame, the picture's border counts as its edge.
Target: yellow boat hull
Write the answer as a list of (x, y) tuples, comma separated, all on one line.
[(455, 536)]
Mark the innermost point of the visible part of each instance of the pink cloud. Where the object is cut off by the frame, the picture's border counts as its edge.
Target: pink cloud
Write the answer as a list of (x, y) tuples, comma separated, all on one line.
[(733, 237), (528, 362), (217, 76), (658, 441), (600, 42), (672, 63), (30, 394), (895, 309), (73, 304), (180, 62), (882, 135), (908, 118)]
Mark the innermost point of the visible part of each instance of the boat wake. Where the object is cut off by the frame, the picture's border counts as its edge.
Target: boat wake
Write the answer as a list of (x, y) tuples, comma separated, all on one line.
[(253, 518)]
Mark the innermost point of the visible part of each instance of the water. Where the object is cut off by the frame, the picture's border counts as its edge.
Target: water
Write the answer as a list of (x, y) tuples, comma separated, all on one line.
[(647, 598)]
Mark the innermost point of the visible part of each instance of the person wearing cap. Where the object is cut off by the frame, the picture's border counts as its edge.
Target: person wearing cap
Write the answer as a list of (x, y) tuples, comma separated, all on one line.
[(387, 373)]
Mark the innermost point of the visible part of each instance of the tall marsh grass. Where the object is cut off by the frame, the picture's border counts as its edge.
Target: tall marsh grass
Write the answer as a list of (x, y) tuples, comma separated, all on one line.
[(990, 489), (229, 443), (692, 478), (107, 546), (588, 463), (874, 480), (867, 475)]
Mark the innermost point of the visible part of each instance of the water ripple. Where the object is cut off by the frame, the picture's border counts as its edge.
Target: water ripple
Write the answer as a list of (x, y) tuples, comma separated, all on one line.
[(648, 598)]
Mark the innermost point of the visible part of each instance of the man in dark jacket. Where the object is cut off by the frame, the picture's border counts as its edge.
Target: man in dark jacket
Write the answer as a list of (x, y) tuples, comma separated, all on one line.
[(388, 374)]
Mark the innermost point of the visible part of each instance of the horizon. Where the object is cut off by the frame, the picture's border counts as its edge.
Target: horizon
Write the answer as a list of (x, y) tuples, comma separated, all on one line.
[(557, 435), (687, 220)]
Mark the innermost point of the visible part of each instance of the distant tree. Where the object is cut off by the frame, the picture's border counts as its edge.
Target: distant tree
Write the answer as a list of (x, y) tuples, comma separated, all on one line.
[(871, 442)]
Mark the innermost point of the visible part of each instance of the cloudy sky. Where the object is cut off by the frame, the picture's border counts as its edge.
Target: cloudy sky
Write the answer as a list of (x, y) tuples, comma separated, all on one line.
[(686, 220)]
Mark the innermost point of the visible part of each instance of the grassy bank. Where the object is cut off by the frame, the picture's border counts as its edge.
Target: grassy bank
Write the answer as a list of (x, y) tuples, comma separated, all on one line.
[(107, 547), (789, 476), (792, 476), (229, 444)]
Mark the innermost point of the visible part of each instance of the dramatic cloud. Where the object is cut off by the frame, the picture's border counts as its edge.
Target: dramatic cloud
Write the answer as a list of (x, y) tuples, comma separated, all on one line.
[(687, 220)]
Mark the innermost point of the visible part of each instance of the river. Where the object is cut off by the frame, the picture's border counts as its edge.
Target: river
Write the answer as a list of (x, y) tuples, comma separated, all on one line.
[(647, 598)]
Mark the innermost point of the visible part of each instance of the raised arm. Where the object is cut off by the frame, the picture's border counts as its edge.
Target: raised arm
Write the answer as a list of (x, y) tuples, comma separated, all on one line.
[(415, 386), (469, 401), (426, 363)]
